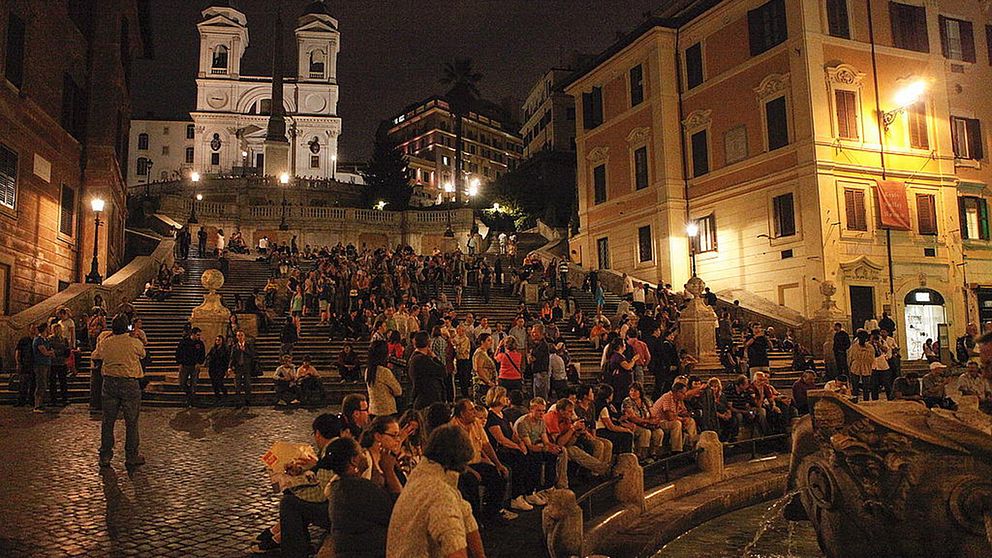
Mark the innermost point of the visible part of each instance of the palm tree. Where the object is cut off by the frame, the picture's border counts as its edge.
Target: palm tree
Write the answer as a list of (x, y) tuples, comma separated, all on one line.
[(462, 93)]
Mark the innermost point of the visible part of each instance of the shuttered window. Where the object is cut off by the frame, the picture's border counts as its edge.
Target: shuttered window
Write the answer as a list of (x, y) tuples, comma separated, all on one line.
[(778, 123), (67, 210), (837, 22), (592, 108), (957, 39), (73, 108), (700, 154), (926, 213), (784, 210), (8, 177), (974, 218), (966, 137), (644, 252), (705, 239), (641, 168), (694, 65), (909, 27), (636, 85), (13, 61), (766, 26), (847, 113), (854, 207), (599, 184), (916, 117)]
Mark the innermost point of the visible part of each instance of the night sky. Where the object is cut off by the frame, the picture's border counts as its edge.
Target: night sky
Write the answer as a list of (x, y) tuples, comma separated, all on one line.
[(391, 51)]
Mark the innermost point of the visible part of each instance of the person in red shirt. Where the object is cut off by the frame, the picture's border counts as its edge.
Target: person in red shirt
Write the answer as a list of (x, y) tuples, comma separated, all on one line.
[(571, 434)]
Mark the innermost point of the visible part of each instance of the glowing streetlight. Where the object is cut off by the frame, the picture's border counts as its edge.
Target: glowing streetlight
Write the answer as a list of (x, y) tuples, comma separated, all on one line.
[(473, 187), (496, 207), (449, 187), (96, 204), (380, 205), (284, 180), (692, 230), (194, 176), (908, 95), (199, 197)]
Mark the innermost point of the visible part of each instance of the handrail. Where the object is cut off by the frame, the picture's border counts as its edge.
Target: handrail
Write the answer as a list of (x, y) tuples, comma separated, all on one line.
[(753, 442)]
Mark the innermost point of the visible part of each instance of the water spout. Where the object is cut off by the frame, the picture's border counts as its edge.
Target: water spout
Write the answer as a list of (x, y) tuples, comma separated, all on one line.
[(768, 519)]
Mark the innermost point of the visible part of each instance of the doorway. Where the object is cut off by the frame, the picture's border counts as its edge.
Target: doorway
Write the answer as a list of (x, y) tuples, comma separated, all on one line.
[(924, 313), (862, 306)]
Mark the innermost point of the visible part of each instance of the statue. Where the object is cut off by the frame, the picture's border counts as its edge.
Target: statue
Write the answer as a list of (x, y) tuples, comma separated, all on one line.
[(893, 479)]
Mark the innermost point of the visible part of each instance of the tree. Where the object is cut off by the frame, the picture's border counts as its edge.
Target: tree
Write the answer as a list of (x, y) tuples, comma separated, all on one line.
[(543, 187), (387, 177), (463, 92)]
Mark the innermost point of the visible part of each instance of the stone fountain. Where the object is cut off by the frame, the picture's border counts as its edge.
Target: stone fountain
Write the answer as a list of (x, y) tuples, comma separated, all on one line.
[(893, 478)]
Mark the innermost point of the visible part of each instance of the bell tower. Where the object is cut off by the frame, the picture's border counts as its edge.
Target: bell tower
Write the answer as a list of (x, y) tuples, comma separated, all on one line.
[(317, 44), (223, 39)]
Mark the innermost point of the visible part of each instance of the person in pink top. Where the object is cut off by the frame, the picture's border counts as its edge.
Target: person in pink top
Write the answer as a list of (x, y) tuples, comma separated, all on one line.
[(675, 419), (511, 365)]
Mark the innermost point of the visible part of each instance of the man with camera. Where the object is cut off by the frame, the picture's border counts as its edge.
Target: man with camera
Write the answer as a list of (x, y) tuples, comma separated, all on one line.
[(121, 392)]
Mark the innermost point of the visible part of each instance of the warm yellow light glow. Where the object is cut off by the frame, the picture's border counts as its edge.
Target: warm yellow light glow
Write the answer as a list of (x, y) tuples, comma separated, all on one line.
[(334, 157), (195, 176), (284, 178), (97, 204), (244, 153), (496, 207), (380, 205), (473, 187), (692, 229), (199, 197), (449, 187), (910, 93)]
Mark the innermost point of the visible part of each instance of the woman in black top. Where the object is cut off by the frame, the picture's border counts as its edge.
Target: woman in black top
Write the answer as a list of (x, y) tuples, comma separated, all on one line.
[(608, 422), (218, 361), (511, 451), (359, 510)]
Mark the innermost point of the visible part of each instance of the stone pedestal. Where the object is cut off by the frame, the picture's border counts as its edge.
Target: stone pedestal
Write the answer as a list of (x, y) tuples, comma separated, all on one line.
[(697, 327), (561, 521), (249, 324), (630, 490), (710, 461), (211, 316), (532, 293), (822, 323)]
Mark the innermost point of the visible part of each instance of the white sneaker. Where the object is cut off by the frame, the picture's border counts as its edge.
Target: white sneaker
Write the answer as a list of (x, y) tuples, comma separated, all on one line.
[(507, 514), (536, 499), (520, 504)]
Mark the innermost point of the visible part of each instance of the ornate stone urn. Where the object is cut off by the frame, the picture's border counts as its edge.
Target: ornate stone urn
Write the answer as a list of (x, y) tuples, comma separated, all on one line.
[(696, 326), (893, 479), (211, 316)]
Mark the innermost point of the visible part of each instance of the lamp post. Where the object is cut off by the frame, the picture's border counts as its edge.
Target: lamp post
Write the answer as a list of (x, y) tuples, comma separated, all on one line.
[(244, 162), (334, 167), (96, 204), (284, 180), (905, 97), (449, 189), (192, 209), (692, 230)]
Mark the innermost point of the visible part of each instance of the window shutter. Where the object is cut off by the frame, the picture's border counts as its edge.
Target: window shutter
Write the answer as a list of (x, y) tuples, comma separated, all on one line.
[(975, 139), (988, 42), (983, 219), (942, 22), (854, 202), (967, 41), (778, 127), (67, 210), (8, 177), (918, 24), (918, 126), (847, 114), (700, 155), (755, 32), (926, 213), (837, 19), (597, 105), (785, 215), (587, 110), (963, 217)]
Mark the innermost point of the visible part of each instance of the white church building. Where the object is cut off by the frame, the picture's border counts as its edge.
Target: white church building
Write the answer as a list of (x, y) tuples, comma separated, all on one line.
[(226, 132)]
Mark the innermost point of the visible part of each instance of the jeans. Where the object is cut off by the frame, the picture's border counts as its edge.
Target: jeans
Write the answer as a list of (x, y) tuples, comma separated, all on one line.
[(58, 383), (120, 395), (242, 384), (494, 485), (188, 375), (286, 391), (862, 384), (542, 384), (547, 461), (25, 389), (523, 479), (295, 516), (41, 372)]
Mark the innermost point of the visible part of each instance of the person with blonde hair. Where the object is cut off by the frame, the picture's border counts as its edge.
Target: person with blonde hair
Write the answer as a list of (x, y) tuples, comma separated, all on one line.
[(512, 451)]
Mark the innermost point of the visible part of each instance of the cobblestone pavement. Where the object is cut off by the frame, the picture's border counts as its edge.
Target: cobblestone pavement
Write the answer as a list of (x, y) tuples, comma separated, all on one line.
[(203, 491)]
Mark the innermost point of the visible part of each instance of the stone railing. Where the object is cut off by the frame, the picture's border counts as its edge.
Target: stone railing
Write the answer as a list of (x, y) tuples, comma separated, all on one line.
[(127, 283)]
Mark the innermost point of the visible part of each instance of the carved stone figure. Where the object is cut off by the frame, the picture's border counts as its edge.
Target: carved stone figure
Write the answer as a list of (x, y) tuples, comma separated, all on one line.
[(892, 479), (561, 521)]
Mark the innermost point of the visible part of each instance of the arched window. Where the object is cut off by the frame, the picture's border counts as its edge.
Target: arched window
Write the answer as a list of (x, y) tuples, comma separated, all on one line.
[(142, 141), (316, 63), (219, 65), (265, 106), (142, 169)]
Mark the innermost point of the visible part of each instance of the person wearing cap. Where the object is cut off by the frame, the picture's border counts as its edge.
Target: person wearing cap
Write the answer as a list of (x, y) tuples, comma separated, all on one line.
[(933, 385), (972, 382)]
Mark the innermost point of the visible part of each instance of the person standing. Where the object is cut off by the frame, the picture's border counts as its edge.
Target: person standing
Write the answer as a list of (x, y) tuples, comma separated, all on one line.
[(42, 354), (887, 323), (24, 357), (426, 373), (860, 359), (842, 343), (218, 360), (184, 241), (538, 359), (201, 242), (243, 364), (57, 379), (757, 351), (121, 355), (221, 241), (887, 337), (190, 353)]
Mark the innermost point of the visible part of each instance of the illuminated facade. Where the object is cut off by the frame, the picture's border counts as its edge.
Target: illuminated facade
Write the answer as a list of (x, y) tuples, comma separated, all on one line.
[(767, 131), (425, 134)]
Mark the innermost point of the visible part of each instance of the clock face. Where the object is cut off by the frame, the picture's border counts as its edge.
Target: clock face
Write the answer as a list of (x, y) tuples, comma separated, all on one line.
[(217, 99)]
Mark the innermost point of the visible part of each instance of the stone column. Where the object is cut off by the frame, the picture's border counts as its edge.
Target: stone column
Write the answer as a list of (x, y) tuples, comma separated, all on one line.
[(211, 316), (821, 325), (697, 327)]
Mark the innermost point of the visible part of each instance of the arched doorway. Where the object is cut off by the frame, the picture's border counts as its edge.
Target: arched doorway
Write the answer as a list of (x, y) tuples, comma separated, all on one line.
[(924, 311)]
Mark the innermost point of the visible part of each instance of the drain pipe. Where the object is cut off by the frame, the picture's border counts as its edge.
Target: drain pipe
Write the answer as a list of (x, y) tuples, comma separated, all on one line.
[(881, 150)]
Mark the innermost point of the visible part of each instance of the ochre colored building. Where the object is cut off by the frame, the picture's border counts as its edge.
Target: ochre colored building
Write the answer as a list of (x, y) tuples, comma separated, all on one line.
[(65, 108), (805, 142)]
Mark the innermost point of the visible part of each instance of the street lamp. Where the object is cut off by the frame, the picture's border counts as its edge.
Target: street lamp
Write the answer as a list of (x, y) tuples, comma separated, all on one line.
[(334, 167), (692, 229), (380, 205), (284, 180), (244, 162), (905, 97), (192, 208), (473, 188), (96, 204)]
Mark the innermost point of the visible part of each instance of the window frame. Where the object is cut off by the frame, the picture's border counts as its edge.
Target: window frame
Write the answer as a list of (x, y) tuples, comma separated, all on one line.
[(918, 110), (770, 16), (641, 244), (778, 223), (9, 153), (603, 259), (785, 115), (596, 197), (190, 131), (861, 209), (67, 230), (190, 155), (833, 18), (981, 209), (855, 113), (934, 226), (141, 166), (592, 108), (706, 229), (966, 39), (972, 132), (690, 83), (912, 43), (636, 167), (636, 85), (143, 141)]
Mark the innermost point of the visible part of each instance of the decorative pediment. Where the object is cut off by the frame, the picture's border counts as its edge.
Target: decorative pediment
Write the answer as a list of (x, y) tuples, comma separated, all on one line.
[(772, 85), (598, 154), (318, 25), (862, 269), (698, 119), (639, 135), (845, 74)]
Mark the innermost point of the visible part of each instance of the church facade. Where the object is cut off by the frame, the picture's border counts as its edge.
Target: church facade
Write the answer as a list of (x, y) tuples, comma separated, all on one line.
[(228, 125)]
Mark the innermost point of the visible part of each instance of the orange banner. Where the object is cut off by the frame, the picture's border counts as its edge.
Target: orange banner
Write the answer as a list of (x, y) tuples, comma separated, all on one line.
[(893, 206)]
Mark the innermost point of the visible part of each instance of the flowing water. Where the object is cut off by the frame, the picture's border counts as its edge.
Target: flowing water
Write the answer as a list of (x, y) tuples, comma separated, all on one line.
[(759, 531)]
